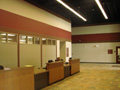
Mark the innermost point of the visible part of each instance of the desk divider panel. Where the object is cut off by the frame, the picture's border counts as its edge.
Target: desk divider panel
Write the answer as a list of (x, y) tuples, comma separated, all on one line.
[(56, 71), (75, 65), (17, 79)]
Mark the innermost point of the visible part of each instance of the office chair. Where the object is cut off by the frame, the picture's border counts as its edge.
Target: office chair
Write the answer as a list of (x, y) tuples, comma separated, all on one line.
[(49, 61), (1, 67)]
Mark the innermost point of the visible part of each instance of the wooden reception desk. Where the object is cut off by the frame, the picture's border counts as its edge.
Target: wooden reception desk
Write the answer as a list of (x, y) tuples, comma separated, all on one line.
[(67, 70), (56, 71), (75, 65), (41, 78), (17, 79)]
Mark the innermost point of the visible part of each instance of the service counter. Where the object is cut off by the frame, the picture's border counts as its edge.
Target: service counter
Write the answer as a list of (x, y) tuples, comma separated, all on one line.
[(75, 65), (41, 78), (56, 71), (67, 70), (17, 79)]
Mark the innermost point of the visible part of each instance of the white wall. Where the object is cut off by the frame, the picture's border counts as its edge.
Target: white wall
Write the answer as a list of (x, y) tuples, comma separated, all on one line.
[(112, 28), (69, 45), (30, 55), (28, 10), (89, 52), (48, 53), (8, 55)]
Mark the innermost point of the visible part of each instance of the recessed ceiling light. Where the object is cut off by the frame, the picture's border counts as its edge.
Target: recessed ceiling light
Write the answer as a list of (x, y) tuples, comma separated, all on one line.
[(101, 8), (78, 7), (65, 5), (93, 9)]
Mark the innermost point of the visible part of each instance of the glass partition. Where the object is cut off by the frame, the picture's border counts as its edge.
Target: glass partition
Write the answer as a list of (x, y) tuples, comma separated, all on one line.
[(12, 38), (30, 40), (37, 40), (3, 37), (23, 39)]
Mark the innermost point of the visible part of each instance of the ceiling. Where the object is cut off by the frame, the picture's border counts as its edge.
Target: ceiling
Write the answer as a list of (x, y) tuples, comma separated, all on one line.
[(87, 8)]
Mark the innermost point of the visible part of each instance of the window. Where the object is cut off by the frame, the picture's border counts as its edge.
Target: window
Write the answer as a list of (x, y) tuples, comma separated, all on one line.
[(53, 42), (12, 38), (23, 39), (30, 40), (44, 41), (37, 40), (3, 37), (49, 42)]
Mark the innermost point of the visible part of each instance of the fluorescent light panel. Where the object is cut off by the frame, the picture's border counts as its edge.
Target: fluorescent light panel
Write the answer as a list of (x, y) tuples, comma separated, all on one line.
[(101, 8), (65, 5)]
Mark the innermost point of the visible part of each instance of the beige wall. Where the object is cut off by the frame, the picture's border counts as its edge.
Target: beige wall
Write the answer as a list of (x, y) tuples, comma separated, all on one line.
[(95, 52), (112, 28), (30, 55), (49, 53), (8, 55), (28, 10), (119, 51)]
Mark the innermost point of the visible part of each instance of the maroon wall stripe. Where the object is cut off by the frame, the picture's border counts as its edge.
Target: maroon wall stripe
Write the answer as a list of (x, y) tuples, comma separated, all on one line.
[(90, 38), (14, 21)]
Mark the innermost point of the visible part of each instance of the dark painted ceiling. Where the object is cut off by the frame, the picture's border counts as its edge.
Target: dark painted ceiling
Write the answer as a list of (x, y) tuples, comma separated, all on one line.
[(87, 8)]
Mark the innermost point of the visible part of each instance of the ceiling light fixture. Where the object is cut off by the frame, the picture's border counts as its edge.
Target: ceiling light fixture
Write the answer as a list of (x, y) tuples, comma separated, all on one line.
[(65, 5), (101, 8)]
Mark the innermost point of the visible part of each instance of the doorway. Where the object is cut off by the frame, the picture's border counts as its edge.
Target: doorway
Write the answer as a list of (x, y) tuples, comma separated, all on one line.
[(118, 54), (63, 50)]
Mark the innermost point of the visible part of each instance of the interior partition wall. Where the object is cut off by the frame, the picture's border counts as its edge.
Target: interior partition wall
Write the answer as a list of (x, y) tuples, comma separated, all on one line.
[(8, 49), (17, 17), (48, 51)]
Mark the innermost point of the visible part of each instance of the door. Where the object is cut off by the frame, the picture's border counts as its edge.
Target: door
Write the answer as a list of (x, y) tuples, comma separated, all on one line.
[(117, 54), (63, 50)]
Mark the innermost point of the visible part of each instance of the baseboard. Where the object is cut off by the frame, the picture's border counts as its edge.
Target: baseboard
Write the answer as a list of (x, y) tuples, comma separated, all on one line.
[(100, 62)]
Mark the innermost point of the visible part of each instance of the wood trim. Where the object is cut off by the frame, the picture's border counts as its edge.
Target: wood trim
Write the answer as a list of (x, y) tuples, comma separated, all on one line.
[(23, 25), (56, 48), (117, 54), (41, 52), (18, 51), (93, 38)]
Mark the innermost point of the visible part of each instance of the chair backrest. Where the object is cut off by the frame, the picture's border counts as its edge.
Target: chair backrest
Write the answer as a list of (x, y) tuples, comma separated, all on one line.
[(57, 60), (1, 67), (49, 61)]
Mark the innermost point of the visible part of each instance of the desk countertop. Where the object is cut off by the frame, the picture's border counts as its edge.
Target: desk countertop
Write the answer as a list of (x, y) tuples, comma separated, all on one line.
[(38, 71), (66, 65)]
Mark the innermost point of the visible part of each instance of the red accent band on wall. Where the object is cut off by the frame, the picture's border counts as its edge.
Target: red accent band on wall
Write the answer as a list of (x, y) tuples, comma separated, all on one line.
[(91, 38), (20, 23)]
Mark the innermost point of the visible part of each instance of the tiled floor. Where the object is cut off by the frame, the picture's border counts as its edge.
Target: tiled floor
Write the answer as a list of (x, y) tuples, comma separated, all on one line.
[(91, 77)]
